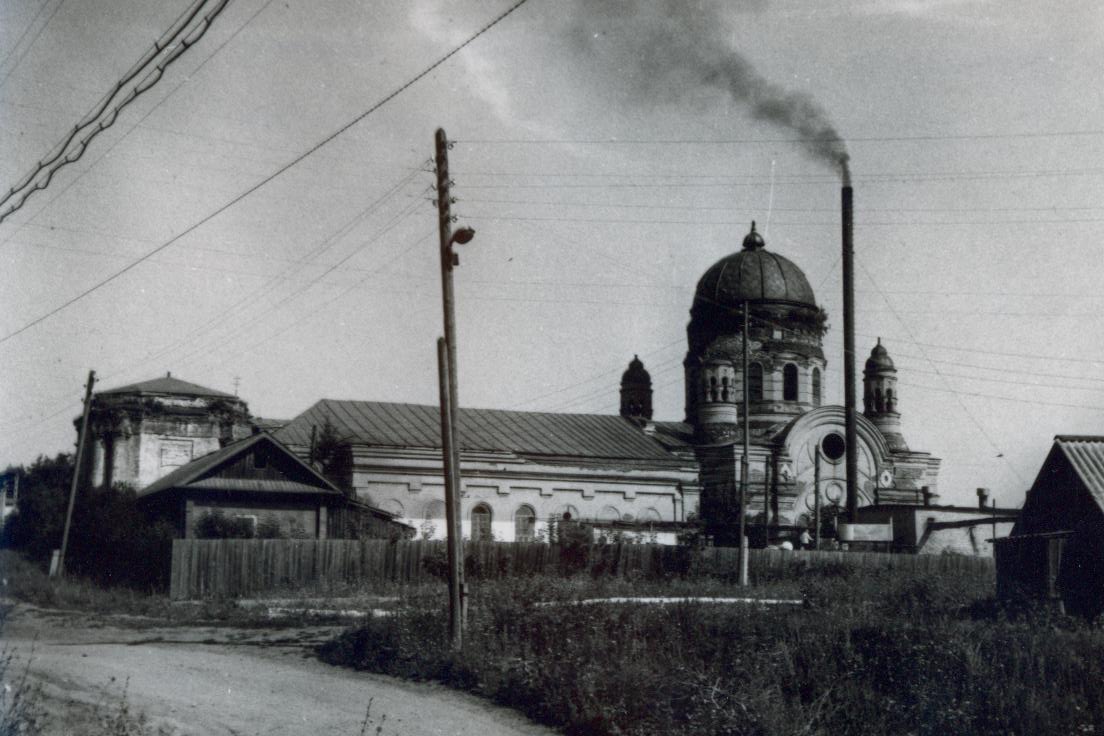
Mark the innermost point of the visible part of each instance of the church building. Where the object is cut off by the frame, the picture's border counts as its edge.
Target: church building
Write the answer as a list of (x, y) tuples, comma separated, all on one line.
[(626, 474), (520, 469)]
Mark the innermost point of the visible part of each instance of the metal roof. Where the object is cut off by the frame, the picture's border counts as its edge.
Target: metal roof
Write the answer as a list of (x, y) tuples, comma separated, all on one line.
[(255, 485), (591, 436), (198, 473), (753, 275), (167, 385), (1086, 455)]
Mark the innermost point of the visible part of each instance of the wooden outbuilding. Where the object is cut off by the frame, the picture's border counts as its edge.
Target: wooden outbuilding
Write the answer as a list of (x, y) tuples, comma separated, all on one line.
[(256, 480), (1056, 549)]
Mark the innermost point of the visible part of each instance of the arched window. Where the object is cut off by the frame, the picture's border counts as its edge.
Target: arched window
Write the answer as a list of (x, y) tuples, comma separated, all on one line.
[(816, 387), (393, 506), (891, 401), (724, 388), (435, 510), (525, 524), (481, 523), (789, 382), (755, 382)]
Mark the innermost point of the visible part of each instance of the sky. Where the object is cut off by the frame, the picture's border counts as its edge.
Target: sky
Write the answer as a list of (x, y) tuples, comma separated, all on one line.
[(275, 232)]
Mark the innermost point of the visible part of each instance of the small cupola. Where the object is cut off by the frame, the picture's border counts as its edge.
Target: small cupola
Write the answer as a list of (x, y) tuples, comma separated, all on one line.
[(636, 391)]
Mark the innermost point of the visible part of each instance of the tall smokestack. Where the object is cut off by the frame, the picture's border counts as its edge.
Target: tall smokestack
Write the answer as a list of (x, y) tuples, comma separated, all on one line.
[(849, 349)]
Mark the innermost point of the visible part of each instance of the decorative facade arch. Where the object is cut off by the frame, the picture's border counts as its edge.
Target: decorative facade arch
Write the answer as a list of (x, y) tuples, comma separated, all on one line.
[(566, 512), (393, 506), (434, 510)]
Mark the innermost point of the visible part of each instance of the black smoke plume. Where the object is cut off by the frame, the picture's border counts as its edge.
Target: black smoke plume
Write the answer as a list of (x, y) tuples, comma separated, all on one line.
[(669, 48)]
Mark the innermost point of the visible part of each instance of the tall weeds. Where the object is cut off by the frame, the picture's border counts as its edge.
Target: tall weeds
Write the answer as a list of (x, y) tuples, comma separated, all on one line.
[(882, 653)]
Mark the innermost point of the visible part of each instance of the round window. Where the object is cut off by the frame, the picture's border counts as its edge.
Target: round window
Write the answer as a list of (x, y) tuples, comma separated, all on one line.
[(833, 446)]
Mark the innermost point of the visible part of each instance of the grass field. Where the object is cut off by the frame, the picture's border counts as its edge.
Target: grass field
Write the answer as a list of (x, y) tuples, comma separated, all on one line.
[(868, 653)]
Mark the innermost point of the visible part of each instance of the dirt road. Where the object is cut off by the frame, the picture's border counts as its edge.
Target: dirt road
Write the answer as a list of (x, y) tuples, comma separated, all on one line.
[(231, 681)]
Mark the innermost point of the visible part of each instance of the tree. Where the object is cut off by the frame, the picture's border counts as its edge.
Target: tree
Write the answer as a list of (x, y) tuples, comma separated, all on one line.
[(111, 539), (36, 526)]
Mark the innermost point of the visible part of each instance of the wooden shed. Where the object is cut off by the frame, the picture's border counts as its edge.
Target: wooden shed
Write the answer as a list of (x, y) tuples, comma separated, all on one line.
[(256, 479), (1056, 549)]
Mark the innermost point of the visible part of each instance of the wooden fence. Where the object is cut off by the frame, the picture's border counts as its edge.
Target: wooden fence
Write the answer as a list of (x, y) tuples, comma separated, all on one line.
[(222, 568)]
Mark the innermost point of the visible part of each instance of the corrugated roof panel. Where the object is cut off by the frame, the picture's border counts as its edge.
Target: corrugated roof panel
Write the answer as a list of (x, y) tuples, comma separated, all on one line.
[(254, 485), (1086, 455)]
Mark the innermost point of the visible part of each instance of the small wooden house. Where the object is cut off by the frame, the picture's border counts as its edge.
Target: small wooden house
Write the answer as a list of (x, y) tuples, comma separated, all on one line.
[(256, 480), (1056, 549)]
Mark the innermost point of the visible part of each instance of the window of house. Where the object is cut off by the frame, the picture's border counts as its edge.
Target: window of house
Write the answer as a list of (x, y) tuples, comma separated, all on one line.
[(789, 382), (816, 387), (481, 523), (755, 382), (525, 524)]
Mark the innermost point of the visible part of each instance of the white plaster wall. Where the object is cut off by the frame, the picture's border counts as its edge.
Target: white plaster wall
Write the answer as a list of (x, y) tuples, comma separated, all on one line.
[(413, 498)]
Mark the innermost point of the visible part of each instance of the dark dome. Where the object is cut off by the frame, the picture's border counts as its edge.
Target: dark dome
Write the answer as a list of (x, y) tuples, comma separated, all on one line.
[(635, 373), (756, 275), (879, 359)]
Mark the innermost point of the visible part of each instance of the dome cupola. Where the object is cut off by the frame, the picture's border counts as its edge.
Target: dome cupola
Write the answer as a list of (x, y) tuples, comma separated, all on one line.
[(753, 274), (784, 327)]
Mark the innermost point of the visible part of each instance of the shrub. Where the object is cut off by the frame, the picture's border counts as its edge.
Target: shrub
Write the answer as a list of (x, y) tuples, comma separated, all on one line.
[(216, 525), (111, 539)]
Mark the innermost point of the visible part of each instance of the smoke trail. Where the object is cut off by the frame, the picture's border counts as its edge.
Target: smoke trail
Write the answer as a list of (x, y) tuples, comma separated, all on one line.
[(673, 47)]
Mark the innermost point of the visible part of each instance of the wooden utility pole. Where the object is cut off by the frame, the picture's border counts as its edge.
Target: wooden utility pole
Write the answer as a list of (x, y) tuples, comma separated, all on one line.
[(446, 360), (743, 554), (766, 499), (816, 499), (82, 440)]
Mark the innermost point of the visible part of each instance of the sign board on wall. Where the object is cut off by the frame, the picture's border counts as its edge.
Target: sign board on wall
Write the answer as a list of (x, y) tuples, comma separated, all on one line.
[(866, 532), (175, 453)]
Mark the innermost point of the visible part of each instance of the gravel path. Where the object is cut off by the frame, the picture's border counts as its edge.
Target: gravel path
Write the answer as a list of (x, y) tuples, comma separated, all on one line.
[(231, 681)]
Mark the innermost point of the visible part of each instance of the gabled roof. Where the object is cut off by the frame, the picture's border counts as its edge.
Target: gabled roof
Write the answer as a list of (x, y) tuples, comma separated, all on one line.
[(588, 436), (1086, 455), (167, 385), (201, 473)]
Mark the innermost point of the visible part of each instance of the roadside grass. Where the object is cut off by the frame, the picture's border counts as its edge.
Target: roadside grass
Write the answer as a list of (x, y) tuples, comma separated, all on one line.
[(877, 652), (24, 581)]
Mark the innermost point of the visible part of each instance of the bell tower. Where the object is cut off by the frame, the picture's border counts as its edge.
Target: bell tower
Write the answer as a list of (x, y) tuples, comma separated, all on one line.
[(880, 396), (636, 391)]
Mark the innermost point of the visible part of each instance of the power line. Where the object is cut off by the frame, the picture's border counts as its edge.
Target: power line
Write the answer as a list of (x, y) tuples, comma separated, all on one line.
[(741, 141), (79, 176), (103, 282), (788, 223), (1003, 398), (958, 398), (868, 176), (729, 208), (95, 120), (38, 33)]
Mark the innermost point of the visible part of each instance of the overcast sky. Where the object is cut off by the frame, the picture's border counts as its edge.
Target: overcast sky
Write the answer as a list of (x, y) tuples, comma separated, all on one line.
[(607, 155)]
